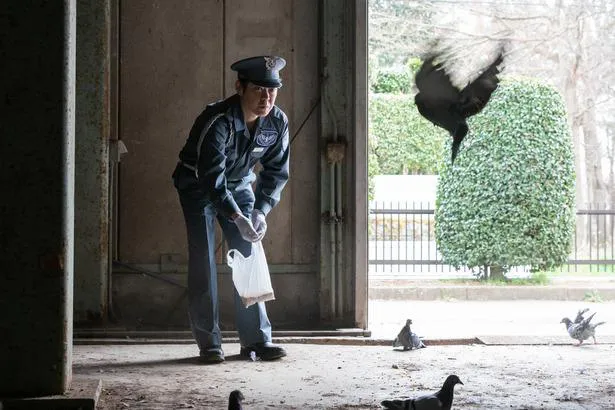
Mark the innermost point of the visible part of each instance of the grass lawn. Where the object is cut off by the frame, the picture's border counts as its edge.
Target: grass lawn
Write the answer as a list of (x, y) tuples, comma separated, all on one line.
[(584, 270), (544, 278)]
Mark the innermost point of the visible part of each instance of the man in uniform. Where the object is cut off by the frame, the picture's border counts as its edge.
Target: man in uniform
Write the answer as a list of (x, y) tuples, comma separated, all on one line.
[(214, 179)]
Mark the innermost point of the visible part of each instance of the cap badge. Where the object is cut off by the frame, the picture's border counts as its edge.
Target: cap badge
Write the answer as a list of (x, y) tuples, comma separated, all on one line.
[(270, 63)]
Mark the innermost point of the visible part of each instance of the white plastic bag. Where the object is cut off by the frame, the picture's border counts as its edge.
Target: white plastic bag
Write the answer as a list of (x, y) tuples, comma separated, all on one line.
[(251, 275)]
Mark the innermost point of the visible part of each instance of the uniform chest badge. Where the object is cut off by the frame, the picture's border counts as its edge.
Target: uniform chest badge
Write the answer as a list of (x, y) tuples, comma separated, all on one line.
[(266, 138)]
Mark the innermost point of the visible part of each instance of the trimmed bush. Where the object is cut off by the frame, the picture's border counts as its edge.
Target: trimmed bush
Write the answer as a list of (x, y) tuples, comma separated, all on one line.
[(401, 140), (509, 199), (393, 82)]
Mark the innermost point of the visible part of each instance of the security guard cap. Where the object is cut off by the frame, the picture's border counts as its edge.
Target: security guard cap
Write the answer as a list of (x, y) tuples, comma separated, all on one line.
[(262, 70)]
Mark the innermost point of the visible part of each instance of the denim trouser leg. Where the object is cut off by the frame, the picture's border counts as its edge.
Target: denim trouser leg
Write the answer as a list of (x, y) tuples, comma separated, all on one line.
[(202, 274), (252, 323)]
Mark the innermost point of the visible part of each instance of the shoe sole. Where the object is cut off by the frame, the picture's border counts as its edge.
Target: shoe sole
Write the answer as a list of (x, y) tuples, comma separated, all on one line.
[(211, 360), (246, 354)]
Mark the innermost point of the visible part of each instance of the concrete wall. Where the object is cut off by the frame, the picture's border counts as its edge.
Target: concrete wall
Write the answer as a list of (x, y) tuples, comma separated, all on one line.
[(175, 60), (170, 66)]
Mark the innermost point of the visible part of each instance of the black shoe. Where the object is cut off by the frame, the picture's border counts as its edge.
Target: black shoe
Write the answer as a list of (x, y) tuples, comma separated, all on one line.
[(266, 351), (211, 355)]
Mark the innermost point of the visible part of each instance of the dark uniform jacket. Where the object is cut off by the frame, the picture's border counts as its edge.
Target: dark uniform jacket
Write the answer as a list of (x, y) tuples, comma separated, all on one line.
[(219, 156)]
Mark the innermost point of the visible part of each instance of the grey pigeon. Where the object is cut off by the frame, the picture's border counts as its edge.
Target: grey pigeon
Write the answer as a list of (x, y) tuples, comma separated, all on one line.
[(447, 106), (440, 400), (583, 330), (234, 400), (407, 338), (416, 341)]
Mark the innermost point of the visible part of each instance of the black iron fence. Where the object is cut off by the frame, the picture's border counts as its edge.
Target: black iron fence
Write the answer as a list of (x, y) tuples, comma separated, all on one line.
[(402, 242)]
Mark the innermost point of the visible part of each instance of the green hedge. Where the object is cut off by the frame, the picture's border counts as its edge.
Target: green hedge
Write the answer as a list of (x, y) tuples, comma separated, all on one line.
[(401, 140), (509, 199), (393, 82)]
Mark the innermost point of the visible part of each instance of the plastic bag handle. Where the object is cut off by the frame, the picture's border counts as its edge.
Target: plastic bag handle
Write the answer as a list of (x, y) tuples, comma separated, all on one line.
[(230, 255)]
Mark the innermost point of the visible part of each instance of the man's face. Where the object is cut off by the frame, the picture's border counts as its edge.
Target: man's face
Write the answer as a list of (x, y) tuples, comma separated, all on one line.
[(257, 100)]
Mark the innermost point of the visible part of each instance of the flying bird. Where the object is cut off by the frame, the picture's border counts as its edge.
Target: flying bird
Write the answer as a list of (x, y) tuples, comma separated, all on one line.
[(447, 106), (440, 400), (583, 330), (234, 400), (407, 338)]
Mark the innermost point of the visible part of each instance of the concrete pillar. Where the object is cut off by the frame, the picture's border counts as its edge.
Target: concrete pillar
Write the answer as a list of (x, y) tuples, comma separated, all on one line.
[(37, 50), (92, 130), (344, 167), (358, 212)]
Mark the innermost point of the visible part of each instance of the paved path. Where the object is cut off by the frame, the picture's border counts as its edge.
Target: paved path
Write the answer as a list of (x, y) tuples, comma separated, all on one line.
[(466, 319)]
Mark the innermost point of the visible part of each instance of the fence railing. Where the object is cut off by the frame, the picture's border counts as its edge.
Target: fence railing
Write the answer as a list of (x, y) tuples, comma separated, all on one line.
[(402, 242)]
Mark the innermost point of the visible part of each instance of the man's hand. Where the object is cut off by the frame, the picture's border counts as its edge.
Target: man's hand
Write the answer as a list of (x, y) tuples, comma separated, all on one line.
[(259, 223), (245, 228)]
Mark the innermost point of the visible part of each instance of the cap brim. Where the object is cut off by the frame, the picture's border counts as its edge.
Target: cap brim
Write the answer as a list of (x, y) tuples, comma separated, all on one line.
[(267, 83)]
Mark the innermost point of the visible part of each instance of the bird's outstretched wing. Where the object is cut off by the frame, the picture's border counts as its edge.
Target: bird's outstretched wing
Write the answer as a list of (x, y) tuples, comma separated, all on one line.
[(434, 83), (476, 95), (436, 95), (585, 322), (580, 314)]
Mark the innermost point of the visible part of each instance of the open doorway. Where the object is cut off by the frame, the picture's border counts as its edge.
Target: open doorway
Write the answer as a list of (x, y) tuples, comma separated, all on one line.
[(163, 86)]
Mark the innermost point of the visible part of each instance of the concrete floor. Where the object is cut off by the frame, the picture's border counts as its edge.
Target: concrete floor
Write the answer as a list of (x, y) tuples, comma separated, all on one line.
[(353, 377), (537, 367)]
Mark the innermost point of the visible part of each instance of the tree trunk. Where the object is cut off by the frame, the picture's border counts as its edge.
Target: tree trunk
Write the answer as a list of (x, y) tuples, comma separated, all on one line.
[(581, 199), (572, 78), (611, 188), (595, 183), (496, 273), (595, 179)]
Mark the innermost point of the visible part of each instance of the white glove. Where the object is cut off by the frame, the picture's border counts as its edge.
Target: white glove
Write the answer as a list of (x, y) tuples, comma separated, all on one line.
[(245, 228), (259, 223)]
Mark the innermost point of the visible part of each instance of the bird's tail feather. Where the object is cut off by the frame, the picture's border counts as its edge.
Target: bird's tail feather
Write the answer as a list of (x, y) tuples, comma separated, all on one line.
[(455, 150), (597, 324), (397, 404)]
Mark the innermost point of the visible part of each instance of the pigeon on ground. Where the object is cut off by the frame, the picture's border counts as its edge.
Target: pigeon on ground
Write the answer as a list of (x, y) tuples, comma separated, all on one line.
[(407, 338), (417, 343), (580, 314), (234, 400), (440, 400), (447, 106), (583, 330)]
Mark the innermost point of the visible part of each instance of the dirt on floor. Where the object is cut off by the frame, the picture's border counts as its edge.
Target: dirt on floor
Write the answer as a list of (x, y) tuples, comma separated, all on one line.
[(352, 377)]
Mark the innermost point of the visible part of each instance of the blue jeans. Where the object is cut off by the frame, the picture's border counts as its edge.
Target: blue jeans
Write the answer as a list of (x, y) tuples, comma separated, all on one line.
[(252, 323)]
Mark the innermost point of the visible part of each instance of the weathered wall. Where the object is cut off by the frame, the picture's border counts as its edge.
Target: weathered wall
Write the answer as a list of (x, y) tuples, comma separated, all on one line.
[(170, 67), (174, 60)]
